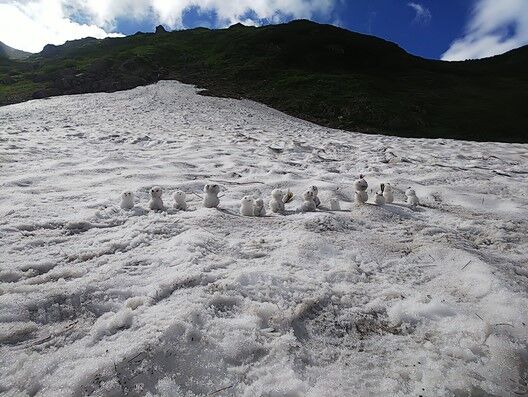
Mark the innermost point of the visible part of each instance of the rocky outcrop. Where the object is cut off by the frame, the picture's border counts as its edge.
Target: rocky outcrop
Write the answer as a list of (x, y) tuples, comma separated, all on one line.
[(160, 29)]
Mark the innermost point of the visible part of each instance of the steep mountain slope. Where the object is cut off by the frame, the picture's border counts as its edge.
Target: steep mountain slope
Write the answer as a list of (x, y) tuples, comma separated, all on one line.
[(12, 53), (317, 72)]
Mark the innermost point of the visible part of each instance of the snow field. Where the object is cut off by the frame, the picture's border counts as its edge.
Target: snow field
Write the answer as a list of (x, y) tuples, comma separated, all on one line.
[(364, 301)]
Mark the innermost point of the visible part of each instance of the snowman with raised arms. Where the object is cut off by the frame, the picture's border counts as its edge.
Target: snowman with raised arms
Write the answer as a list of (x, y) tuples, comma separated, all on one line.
[(360, 186)]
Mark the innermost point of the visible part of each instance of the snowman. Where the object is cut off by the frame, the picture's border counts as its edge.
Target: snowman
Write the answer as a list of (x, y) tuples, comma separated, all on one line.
[(360, 186)]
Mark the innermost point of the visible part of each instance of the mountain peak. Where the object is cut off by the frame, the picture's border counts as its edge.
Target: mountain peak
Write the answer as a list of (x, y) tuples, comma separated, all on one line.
[(160, 29), (237, 25)]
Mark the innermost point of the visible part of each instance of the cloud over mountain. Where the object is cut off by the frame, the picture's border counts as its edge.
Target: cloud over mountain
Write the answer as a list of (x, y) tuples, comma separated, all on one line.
[(55, 21), (495, 27)]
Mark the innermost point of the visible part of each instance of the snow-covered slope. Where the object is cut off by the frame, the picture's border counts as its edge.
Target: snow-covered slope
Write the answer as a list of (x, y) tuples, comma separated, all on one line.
[(386, 301)]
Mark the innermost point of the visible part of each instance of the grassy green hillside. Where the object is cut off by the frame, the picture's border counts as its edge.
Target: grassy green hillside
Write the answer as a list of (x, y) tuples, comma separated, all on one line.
[(321, 73)]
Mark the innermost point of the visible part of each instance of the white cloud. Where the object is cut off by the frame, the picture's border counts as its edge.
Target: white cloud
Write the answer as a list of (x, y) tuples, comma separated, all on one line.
[(170, 12), (423, 15), (30, 24), (495, 26)]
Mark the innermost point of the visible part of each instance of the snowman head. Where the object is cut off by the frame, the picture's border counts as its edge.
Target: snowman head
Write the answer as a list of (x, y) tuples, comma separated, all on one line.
[(259, 203), (388, 188), (211, 189), (156, 192), (179, 196), (127, 195), (246, 200), (361, 185), (410, 192), (277, 194), (314, 189), (308, 195)]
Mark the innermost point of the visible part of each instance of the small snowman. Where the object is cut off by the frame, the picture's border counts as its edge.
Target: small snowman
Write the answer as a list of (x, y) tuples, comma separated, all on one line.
[(211, 199), (334, 204), (127, 200), (276, 204), (246, 206), (379, 199), (156, 203), (388, 193), (258, 208), (315, 191), (361, 186), (412, 199), (308, 204), (179, 200)]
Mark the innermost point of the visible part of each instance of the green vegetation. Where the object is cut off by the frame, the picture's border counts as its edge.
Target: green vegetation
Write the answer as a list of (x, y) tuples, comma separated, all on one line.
[(316, 72)]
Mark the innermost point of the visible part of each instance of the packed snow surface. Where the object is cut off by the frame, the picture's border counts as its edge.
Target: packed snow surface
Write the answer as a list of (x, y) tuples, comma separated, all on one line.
[(367, 301)]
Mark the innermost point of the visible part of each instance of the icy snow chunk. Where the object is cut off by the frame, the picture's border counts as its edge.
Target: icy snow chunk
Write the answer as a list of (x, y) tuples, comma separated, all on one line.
[(268, 314), (276, 380), (241, 346), (136, 301), (110, 322), (412, 311)]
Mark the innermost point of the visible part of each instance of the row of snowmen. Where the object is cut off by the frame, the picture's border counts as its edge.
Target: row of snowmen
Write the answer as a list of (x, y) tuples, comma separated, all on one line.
[(255, 207), (384, 196)]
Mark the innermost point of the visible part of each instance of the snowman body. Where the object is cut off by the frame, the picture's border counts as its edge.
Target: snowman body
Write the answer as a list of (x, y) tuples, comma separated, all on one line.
[(276, 204), (334, 204), (360, 186), (211, 199), (246, 206), (388, 193), (127, 200), (156, 203), (258, 208), (379, 199), (308, 204), (179, 200), (412, 199)]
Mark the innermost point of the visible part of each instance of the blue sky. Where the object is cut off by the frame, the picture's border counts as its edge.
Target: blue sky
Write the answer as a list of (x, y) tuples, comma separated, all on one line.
[(448, 29), (395, 20)]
